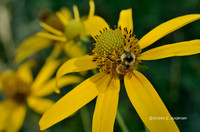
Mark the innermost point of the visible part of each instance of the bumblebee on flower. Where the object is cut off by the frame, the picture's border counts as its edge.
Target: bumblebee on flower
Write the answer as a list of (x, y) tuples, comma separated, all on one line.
[(117, 53)]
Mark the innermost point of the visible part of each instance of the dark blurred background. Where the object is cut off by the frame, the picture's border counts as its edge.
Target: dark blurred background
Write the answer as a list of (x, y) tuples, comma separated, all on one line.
[(177, 79)]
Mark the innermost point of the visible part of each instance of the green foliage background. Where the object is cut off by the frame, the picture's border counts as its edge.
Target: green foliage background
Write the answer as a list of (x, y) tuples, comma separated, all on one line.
[(177, 80)]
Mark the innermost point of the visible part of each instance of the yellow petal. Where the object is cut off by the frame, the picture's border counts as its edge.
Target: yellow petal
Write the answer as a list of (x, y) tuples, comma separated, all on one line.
[(72, 49), (126, 20), (72, 101), (45, 73), (92, 9), (95, 25), (76, 13), (30, 46), (49, 87), (52, 20), (166, 28), (61, 18), (50, 29), (5, 110), (51, 36), (106, 108), (55, 52), (25, 73), (40, 105), (64, 15), (17, 118), (12, 116), (148, 104), (76, 65), (176, 49)]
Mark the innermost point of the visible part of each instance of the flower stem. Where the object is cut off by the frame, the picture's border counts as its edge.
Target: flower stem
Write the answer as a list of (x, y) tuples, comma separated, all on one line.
[(146, 129), (85, 119), (121, 122)]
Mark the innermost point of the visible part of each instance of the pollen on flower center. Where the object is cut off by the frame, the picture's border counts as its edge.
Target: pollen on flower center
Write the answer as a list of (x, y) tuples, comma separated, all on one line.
[(74, 30), (109, 41), (15, 88), (116, 51)]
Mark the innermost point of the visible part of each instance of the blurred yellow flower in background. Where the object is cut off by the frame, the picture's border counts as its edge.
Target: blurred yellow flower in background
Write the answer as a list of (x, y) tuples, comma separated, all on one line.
[(20, 89), (61, 31), (117, 53)]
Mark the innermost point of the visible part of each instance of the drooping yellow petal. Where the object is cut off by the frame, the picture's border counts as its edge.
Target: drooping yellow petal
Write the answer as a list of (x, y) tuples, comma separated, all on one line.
[(148, 104), (72, 49), (16, 118), (76, 13), (12, 116), (72, 101), (76, 65), (166, 28), (95, 25), (25, 73), (50, 29), (126, 19), (106, 108), (49, 87), (45, 73), (64, 15), (176, 49), (40, 105), (92, 9), (61, 18), (55, 52), (30, 46), (5, 111), (51, 36)]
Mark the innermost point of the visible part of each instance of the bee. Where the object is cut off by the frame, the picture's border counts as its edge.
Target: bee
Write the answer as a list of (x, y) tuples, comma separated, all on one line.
[(127, 62)]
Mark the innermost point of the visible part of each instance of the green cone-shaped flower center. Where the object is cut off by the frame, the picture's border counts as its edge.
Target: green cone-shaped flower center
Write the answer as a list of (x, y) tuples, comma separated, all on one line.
[(74, 30), (109, 41)]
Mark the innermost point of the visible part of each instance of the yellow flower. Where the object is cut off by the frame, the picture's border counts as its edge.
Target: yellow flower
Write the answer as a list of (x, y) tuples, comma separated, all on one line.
[(20, 89), (59, 30), (117, 53)]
